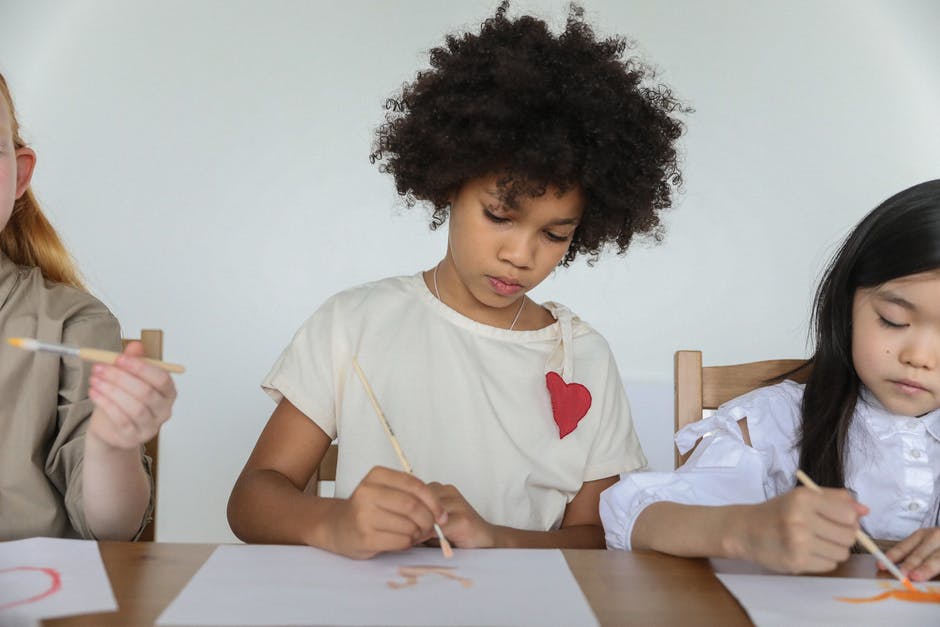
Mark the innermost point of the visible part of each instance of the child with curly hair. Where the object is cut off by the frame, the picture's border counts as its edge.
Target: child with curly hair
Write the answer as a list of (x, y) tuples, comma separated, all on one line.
[(536, 147)]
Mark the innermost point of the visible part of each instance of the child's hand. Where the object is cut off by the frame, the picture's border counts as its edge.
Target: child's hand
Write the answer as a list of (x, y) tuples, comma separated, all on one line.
[(389, 510), (802, 530), (465, 528), (920, 553), (132, 399)]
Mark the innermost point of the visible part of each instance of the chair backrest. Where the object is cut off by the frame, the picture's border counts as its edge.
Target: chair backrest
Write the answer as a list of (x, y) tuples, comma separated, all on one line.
[(700, 388), (152, 339), (326, 471), (327, 468)]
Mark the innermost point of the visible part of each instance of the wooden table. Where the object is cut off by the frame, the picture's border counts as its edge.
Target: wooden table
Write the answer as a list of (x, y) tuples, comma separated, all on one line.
[(623, 588)]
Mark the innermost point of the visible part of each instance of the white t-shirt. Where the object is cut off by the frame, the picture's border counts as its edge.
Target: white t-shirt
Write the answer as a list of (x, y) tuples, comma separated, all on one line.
[(467, 402), (892, 466)]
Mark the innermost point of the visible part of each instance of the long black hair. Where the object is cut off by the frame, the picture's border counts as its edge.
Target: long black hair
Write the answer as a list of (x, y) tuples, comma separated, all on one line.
[(900, 237)]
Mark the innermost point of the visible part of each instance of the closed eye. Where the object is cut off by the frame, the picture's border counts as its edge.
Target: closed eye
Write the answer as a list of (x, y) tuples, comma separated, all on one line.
[(556, 237), (890, 325), (493, 217)]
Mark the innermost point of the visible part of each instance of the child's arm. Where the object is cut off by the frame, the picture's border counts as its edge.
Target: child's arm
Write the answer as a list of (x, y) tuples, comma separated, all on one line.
[(580, 528), (132, 400), (725, 510), (918, 555), (389, 510), (800, 531)]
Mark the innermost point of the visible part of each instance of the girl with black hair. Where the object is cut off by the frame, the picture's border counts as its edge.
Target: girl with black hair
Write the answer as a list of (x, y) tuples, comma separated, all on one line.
[(866, 425)]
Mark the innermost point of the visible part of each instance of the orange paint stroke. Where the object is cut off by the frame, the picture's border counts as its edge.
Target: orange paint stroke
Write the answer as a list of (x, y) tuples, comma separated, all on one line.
[(914, 596), (410, 575)]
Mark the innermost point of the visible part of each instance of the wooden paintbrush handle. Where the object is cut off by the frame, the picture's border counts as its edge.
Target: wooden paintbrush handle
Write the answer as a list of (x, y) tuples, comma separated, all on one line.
[(867, 542), (109, 357)]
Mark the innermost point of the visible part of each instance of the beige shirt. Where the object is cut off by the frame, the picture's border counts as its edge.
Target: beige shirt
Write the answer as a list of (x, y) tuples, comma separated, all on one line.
[(44, 404), (468, 403)]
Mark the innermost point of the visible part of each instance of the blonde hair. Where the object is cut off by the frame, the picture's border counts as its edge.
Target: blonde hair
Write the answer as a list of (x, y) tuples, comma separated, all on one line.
[(29, 239)]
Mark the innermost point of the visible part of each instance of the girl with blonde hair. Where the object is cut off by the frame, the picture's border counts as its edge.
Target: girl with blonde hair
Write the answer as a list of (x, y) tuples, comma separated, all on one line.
[(71, 434)]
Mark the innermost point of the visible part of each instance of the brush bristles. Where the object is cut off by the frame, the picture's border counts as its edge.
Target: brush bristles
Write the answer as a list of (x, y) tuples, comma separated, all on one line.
[(23, 342), (446, 549), (445, 545)]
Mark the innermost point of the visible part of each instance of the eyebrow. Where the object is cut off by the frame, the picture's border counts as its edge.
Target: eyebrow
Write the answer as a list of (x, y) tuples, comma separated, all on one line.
[(563, 222), (891, 297), (558, 222)]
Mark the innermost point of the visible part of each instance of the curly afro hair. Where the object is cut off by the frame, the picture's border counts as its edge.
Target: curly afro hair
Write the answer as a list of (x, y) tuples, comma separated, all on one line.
[(538, 110)]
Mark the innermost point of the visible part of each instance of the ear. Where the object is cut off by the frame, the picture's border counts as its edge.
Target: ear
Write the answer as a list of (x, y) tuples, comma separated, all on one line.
[(25, 163)]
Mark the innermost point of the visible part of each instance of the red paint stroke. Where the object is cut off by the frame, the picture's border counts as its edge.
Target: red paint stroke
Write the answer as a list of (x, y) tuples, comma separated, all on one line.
[(55, 585), (901, 594)]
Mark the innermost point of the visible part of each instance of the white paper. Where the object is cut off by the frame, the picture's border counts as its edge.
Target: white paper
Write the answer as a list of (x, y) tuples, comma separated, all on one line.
[(51, 577), (292, 585), (780, 600)]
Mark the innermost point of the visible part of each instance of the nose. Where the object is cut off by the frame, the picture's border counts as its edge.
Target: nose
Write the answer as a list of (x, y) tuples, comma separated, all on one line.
[(518, 248), (920, 352)]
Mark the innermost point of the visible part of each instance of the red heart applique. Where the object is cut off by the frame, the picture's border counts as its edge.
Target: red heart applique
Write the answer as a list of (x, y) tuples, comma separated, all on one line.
[(570, 402)]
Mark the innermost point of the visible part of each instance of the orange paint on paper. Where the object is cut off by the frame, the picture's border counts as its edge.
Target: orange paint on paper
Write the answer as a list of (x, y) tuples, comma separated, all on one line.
[(913, 595), (410, 575)]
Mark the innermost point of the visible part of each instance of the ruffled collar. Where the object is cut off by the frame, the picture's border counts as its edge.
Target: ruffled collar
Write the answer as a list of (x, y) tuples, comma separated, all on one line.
[(883, 423)]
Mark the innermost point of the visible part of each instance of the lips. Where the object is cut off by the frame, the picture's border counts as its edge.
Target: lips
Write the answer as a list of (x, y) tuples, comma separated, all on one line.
[(908, 386), (504, 286)]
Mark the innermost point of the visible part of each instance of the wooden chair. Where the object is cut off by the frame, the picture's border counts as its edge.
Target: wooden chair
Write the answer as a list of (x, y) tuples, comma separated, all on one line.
[(327, 469), (152, 339), (699, 388)]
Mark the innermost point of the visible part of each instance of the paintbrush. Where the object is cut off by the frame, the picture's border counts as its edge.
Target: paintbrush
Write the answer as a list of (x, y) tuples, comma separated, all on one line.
[(86, 354), (445, 545), (864, 540)]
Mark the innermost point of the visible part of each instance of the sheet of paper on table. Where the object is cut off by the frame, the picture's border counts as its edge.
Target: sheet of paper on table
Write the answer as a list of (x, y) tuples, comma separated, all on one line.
[(51, 577), (788, 600), (293, 585)]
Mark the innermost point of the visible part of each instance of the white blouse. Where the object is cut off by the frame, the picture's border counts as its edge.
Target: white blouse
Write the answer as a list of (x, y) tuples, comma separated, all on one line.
[(893, 464)]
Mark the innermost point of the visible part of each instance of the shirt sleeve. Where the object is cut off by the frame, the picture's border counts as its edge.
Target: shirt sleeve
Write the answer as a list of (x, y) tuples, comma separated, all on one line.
[(304, 372), (723, 469), (616, 448), (63, 465)]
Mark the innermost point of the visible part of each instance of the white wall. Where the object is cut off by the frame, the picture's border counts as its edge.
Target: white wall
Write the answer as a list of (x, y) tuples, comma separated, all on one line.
[(207, 163)]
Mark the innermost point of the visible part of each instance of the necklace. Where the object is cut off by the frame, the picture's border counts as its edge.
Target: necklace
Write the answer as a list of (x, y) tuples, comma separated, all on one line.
[(438, 294)]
